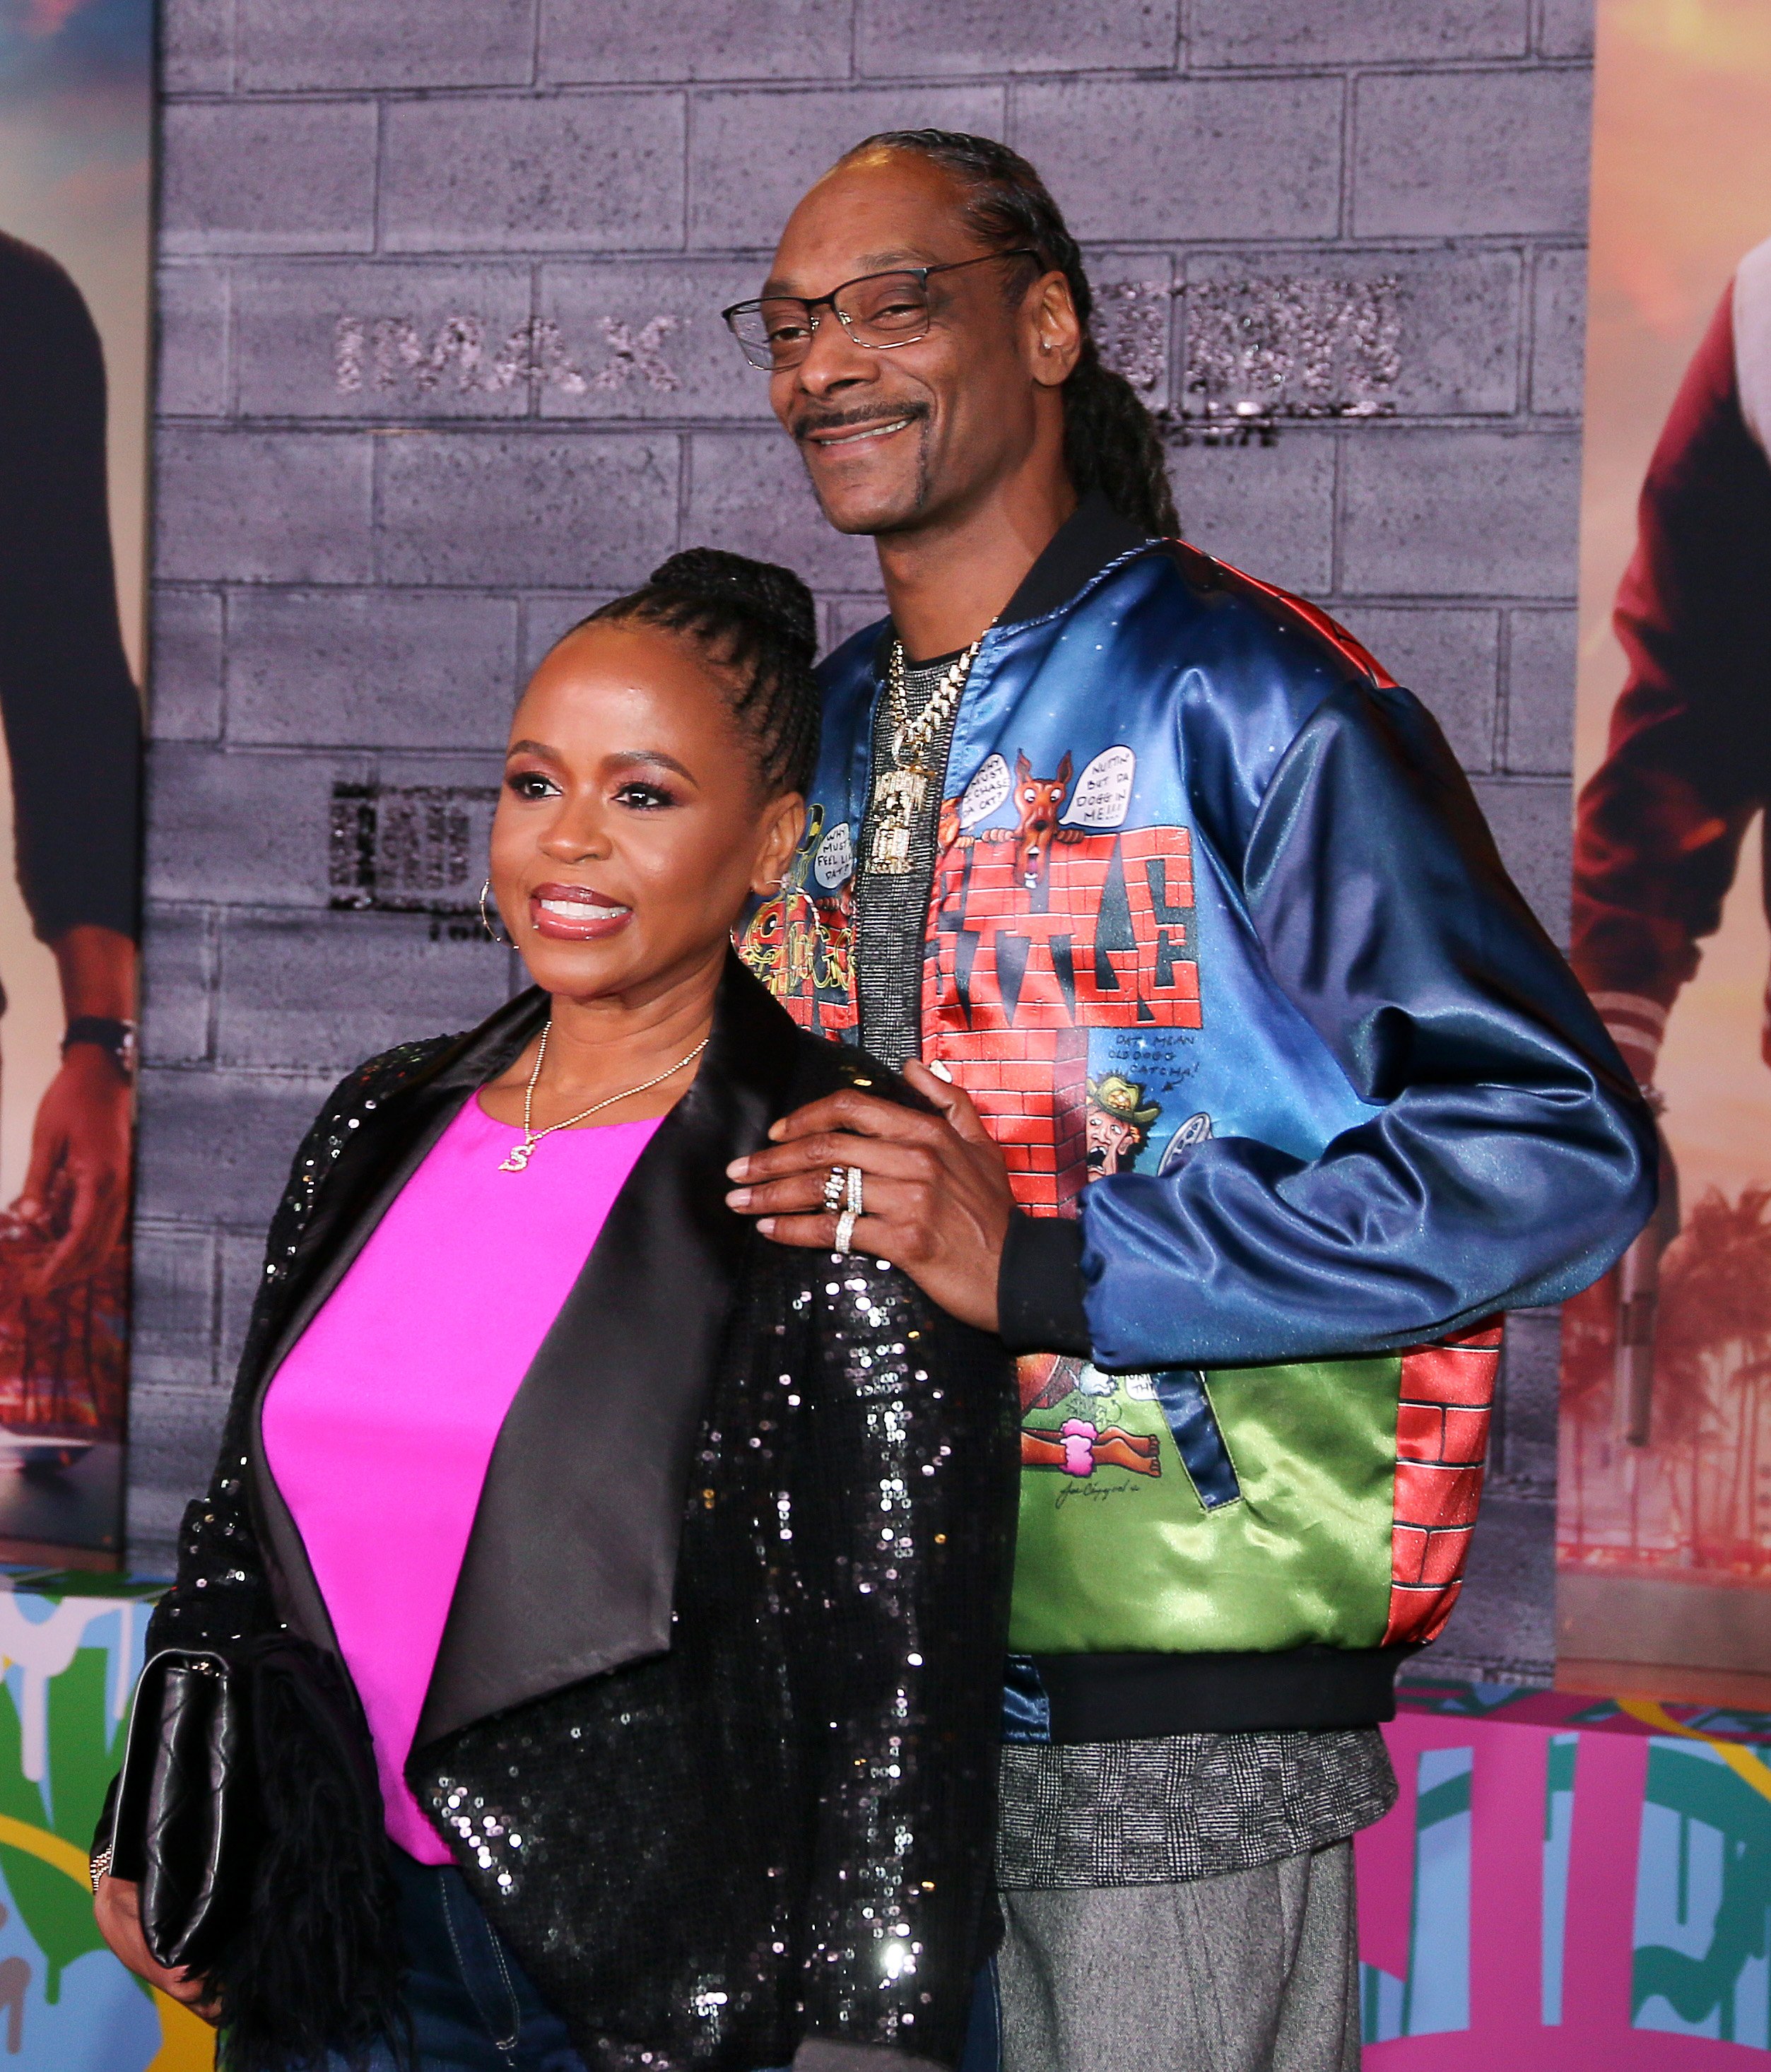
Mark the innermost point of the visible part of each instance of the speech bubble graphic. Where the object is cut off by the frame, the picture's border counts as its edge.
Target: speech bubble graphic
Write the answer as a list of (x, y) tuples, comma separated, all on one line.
[(1103, 791), (836, 860), (986, 791)]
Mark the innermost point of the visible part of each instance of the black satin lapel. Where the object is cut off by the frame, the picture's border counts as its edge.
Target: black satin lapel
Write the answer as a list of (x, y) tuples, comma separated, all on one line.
[(386, 1151), (571, 1565)]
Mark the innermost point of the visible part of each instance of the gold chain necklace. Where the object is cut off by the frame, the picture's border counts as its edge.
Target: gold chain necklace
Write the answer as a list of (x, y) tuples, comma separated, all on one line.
[(899, 790), (521, 1154)]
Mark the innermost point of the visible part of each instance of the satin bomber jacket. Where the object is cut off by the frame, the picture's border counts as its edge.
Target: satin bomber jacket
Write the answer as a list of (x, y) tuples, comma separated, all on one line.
[(711, 1727), (1297, 1095)]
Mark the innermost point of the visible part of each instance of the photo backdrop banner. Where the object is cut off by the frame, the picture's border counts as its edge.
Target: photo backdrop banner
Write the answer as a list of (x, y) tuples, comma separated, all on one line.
[(76, 108), (1665, 1514)]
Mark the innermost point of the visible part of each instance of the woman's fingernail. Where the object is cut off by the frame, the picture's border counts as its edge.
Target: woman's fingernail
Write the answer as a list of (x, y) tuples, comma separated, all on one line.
[(777, 1130), (766, 1224), (738, 1169), (738, 1199)]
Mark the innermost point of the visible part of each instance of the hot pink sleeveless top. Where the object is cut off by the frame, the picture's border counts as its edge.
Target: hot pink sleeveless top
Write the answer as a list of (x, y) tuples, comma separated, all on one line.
[(379, 1424)]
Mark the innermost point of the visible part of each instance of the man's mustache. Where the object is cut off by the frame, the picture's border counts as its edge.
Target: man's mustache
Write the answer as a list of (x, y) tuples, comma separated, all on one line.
[(809, 421)]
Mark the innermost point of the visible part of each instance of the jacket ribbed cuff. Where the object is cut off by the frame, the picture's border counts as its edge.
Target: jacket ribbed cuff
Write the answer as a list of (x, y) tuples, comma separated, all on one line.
[(1039, 1287)]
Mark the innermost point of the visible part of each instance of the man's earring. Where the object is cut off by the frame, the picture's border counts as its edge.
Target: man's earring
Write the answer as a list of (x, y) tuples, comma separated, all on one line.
[(485, 920)]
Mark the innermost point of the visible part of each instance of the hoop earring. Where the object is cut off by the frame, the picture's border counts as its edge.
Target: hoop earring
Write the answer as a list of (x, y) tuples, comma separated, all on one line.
[(505, 941)]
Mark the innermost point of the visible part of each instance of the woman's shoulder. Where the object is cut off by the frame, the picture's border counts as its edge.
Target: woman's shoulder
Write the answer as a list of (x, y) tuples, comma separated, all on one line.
[(391, 1068), (821, 1067), (366, 1086)]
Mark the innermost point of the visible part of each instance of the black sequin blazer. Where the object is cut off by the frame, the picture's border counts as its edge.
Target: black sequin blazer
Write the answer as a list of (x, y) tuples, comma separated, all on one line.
[(712, 1727)]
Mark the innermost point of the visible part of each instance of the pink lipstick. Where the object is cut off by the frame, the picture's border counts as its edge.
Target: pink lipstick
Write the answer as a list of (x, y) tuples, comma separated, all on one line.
[(576, 913)]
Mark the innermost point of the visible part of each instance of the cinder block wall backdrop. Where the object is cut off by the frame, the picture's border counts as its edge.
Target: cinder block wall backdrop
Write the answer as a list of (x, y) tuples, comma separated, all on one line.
[(440, 365)]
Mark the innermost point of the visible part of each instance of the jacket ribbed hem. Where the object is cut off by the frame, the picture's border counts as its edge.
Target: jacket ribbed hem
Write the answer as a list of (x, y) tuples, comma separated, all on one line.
[(1143, 1697)]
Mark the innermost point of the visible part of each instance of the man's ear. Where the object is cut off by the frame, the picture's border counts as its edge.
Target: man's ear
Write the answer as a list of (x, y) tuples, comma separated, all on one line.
[(1055, 330), (783, 834)]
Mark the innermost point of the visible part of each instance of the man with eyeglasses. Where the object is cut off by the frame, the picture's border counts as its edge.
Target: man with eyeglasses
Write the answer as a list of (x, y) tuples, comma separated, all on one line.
[(1098, 816)]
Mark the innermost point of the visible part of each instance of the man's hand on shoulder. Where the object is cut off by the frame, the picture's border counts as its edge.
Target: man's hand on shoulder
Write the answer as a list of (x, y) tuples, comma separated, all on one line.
[(936, 1200)]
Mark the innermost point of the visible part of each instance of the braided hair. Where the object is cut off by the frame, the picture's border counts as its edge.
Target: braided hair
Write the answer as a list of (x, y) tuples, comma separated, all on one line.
[(756, 623), (1112, 442)]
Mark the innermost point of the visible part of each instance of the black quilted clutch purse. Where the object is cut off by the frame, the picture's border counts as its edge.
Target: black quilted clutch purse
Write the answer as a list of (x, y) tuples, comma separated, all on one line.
[(248, 1816), (186, 1823)]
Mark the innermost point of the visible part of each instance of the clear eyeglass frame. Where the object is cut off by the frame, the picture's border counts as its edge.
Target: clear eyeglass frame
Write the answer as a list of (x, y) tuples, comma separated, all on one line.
[(755, 325)]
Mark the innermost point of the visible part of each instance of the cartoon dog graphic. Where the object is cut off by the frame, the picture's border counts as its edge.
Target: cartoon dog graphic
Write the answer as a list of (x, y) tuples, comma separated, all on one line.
[(1038, 799)]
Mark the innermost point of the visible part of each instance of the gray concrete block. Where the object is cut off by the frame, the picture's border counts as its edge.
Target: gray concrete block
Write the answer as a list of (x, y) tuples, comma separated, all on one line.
[(178, 986), (316, 994), (284, 44), (1503, 1624), (174, 1434), (1460, 513), (1278, 32), (1471, 153), (217, 1145), (554, 509), (184, 665), (644, 338), (711, 39), (196, 46), (1558, 331), (748, 493), (752, 155), (1540, 674), (1565, 28), (262, 506), (323, 339), (1449, 658), (545, 618), (1531, 826), (1529, 1399), (191, 360), (239, 825), (259, 176), (596, 172), (946, 39), (1196, 158), (1135, 319), (242, 1258), (372, 668), (172, 1307), (1267, 509), (850, 614), (1360, 332)]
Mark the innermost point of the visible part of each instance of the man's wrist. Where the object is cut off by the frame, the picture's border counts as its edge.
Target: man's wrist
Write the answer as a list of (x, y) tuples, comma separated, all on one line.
[(106, 1033), (1040, 1286)]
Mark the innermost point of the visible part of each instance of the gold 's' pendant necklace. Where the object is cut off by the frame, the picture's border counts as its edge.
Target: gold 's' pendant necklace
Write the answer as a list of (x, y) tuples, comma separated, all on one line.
[(521, 1154), (900, 790)]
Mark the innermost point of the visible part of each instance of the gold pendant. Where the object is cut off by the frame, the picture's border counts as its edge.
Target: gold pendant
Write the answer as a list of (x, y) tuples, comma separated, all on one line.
[(897, 797), (520, 1157), (890, 854)]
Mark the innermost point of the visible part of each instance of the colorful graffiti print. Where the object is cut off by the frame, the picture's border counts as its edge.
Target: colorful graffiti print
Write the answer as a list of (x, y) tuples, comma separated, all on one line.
[(66, 2004), (1575, 1883)]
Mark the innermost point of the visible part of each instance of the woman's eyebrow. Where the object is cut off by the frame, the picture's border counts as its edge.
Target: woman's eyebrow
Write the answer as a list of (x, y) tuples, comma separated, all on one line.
[(531, 748), (625, 758)]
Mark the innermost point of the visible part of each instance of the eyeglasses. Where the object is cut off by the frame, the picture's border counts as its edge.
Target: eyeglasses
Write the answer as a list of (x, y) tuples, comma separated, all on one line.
[(877, 310)]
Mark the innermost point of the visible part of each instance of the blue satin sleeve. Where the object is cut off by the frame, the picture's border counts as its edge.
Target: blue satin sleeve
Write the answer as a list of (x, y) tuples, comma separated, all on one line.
[(1507, 1159)]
